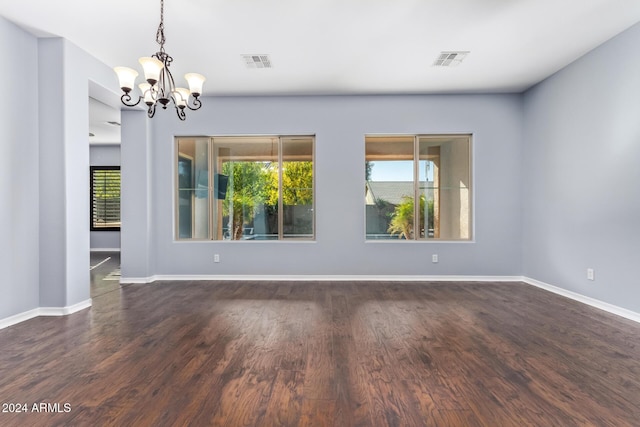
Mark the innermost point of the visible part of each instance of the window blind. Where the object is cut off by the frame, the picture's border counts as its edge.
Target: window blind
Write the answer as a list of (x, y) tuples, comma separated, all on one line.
[(105, 198)]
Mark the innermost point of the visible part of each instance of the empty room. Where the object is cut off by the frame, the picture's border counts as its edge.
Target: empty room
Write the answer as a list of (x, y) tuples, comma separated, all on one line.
[(320, 213)]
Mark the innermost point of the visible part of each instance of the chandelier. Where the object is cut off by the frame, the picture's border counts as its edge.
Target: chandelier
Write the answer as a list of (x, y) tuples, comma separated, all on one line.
[(160, 86)]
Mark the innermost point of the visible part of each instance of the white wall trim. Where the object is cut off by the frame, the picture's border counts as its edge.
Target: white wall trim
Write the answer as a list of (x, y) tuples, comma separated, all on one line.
[(105, 249), (20, 317), (610, 308), (44, 311), (63, 311), (320, 277), (137, 280)]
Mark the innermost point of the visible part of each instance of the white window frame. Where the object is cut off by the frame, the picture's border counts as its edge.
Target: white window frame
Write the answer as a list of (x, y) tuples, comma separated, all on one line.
[(212, 210), (416, 188)]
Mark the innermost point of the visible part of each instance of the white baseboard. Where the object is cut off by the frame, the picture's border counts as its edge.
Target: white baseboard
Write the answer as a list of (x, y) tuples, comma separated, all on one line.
[(610, 308), (44, 311), (63, 311), (137, 280), (105, 249), (319, 277), (20, 317)]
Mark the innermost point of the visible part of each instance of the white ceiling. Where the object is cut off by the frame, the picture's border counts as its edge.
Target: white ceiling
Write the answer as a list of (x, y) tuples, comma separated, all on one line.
[(104, 123), (334, 46), (339, 47)]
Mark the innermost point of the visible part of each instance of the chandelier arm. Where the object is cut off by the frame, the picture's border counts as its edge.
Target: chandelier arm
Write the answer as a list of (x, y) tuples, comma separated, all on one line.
[(126, 100), (181, 114), (162, 88), (167, 62), (165, 84), (152, 110), (196, 104)]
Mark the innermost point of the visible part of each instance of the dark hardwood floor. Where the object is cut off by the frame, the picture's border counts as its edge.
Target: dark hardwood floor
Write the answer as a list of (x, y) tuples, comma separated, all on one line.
[(105, 272), (324, 354)]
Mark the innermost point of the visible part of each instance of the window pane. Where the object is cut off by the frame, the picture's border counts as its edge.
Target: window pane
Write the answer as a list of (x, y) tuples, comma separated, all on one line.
[(249, 168), (389, 191), (440, 176), (428, 159), (105, 198), (445, 171), (297, 187), (231, 188), (193, 189)]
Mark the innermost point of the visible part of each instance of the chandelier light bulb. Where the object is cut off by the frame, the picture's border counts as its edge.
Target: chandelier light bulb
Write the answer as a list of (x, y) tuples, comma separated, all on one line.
[(126, 78), (152, 68), (181, 97), (195, 82), (147, 93)]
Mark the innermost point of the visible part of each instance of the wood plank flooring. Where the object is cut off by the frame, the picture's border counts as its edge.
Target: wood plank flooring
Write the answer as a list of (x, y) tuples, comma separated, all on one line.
[(324, 354), (104, 272)]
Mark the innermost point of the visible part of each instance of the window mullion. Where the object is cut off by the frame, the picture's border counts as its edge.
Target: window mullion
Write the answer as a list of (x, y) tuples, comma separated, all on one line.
[(280, 191), (416, 189), (212, 199)]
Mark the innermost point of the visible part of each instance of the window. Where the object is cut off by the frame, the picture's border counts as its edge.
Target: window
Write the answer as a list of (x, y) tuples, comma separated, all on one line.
[(245, 188), (105, 198), (433, 169)]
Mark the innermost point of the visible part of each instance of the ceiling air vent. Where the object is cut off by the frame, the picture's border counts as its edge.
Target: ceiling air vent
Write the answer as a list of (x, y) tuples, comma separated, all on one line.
[(257, 61), (450, 58)]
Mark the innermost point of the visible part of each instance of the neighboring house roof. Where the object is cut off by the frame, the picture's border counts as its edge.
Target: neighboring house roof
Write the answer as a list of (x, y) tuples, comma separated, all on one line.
[(389, 191)]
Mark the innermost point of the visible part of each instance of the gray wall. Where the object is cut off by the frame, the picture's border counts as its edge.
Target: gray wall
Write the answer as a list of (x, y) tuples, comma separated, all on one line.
[(65, 76), (44, 166), (137, 237), (340, 124), (104, 155), (19, 191), (581, 182), (556, 180)]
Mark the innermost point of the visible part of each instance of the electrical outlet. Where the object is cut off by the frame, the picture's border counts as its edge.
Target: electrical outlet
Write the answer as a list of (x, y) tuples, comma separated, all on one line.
[(434, 258), (216, 258), (590, 274)]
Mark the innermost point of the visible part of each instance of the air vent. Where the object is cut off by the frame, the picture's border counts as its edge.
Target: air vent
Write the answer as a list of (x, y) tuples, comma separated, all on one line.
[(257, 61), (450, 58)]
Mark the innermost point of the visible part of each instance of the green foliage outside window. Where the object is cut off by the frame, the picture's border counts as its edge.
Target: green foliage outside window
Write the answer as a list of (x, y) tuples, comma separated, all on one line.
[(402, 217), (255, 184)]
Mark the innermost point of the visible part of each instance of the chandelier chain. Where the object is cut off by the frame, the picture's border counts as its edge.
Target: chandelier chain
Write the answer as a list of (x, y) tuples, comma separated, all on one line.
[(160, 39)]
